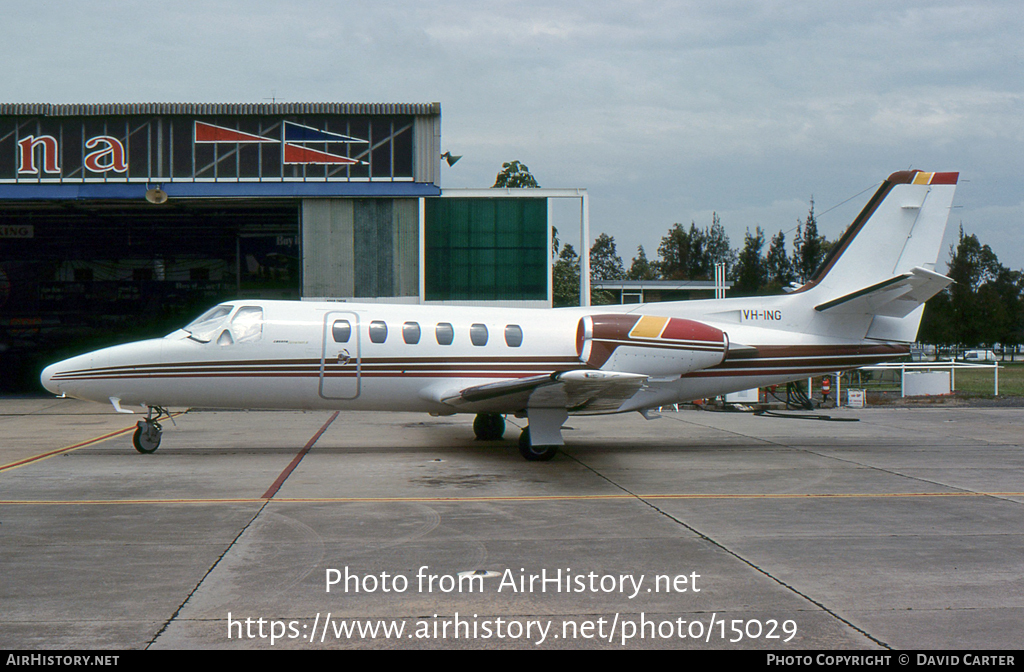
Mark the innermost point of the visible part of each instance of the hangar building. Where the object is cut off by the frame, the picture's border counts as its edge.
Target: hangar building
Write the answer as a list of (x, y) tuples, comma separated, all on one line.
[(121, 221)]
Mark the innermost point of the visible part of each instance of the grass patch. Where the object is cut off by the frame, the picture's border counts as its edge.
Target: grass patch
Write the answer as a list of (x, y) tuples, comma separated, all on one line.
[(974, 382), (979, 381)]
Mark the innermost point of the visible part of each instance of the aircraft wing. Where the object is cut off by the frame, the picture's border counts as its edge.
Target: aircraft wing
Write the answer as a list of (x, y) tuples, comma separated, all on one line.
[(895, 297), (579, 391)]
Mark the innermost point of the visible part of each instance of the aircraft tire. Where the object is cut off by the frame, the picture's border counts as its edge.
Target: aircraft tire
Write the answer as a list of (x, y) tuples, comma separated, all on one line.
[(489, 426), (146, 439), (534, 453)]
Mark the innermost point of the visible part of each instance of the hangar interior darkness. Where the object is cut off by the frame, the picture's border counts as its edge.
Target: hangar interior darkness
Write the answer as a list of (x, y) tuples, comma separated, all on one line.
[(151, 268)]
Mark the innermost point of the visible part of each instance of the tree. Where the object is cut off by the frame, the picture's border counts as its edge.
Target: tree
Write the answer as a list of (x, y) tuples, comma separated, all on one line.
[(605, 263), (973, 266), (983, 306), (969, 266), (565, 278), (641, 268), (692, 255), (809, 248), (778, 266), (675, 251), (937, 321), (751, 269), (717, 249), (1008, 329), (514, 175)]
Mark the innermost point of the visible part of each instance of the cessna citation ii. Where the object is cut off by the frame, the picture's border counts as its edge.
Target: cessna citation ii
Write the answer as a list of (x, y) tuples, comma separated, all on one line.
[(863, 306)]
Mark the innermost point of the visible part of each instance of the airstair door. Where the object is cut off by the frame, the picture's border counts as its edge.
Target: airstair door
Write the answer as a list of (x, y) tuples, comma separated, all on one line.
[(340, 365)]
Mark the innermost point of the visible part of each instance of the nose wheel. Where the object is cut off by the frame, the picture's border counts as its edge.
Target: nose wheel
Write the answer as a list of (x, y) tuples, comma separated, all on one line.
[(148, 432)]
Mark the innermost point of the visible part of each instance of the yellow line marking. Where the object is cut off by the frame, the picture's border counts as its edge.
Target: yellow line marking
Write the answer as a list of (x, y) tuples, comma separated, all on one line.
[(524, 498), (68, 449)]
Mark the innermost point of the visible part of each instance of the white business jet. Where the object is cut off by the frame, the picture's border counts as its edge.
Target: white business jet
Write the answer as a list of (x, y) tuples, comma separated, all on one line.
[(863, 306)]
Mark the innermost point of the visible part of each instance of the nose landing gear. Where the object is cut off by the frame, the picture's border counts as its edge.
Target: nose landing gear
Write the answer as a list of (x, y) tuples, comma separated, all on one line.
[(146, 438)]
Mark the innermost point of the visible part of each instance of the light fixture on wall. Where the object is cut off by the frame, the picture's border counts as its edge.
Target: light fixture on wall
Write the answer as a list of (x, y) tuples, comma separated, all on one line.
[(156, 195)]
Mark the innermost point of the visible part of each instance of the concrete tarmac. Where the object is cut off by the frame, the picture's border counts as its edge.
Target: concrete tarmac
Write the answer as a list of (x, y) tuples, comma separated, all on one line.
[(886, 529)]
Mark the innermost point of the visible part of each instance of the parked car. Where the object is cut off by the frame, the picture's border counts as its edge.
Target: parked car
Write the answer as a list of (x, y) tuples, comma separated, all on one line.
[(980, 356)]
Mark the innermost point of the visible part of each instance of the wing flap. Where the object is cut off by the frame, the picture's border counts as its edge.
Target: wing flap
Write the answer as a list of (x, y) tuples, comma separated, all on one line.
[(895, 297), (579, 391)]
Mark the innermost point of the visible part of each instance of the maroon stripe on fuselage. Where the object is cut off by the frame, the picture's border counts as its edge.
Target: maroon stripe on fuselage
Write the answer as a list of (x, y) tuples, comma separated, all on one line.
[(314, 365), (482, 367), (757, 361), (800, 359)]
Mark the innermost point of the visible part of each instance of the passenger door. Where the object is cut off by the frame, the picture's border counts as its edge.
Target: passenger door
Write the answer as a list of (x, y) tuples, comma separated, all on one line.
[(340, 365)]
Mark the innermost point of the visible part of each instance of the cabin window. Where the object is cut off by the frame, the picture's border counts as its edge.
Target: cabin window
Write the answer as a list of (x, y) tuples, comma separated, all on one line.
[(478, 334), (341, 330), (411, 333), (445, 333), (513, 335), (247, 324), (378, 331)]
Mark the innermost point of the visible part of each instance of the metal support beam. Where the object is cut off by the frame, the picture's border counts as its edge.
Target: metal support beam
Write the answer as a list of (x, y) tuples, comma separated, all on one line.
[(584, 250)]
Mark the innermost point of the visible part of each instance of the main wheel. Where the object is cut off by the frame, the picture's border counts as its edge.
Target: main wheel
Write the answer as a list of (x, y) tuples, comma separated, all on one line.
[(534, 453), (489, 426), (146, 438)]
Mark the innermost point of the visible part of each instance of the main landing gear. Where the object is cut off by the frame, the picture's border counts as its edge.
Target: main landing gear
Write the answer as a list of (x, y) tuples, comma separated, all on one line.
[(534, 453), (146, 438), (489, 426), (540, 441), (546, 437)]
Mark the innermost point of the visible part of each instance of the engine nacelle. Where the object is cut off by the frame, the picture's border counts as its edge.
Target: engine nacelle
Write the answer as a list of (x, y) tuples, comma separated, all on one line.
[(649, 345)]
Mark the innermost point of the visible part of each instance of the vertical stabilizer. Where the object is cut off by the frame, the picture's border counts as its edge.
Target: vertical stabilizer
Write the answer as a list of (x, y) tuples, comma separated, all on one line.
[(899, 229)]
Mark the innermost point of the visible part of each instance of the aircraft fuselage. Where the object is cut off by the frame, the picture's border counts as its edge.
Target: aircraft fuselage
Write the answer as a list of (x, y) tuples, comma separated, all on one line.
[(326, 355)]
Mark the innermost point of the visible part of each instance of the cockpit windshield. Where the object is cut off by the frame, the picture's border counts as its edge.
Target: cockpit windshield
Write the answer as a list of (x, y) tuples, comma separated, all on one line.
[(205, 327), (245, 325)]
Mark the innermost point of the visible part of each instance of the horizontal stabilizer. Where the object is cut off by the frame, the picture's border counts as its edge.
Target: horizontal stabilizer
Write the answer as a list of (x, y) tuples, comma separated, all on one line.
[(895, 297), (580, 391)]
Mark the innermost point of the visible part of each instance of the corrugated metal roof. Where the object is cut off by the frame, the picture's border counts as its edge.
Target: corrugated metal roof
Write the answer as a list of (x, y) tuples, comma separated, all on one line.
[(205, 109)]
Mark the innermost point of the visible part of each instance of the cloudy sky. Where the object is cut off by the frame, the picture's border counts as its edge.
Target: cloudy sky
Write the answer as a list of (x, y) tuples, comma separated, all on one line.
[(663, 111)]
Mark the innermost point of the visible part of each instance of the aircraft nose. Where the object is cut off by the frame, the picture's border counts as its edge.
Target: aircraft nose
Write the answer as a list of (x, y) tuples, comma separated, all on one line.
[(54, 377), (75, 377), (46, 378)]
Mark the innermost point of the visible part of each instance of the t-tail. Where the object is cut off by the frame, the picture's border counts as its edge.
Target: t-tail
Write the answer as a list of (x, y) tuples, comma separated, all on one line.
[(882, 270)]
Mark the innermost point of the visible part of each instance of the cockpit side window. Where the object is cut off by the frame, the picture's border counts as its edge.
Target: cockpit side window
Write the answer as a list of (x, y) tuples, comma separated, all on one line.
[(247, 324)]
